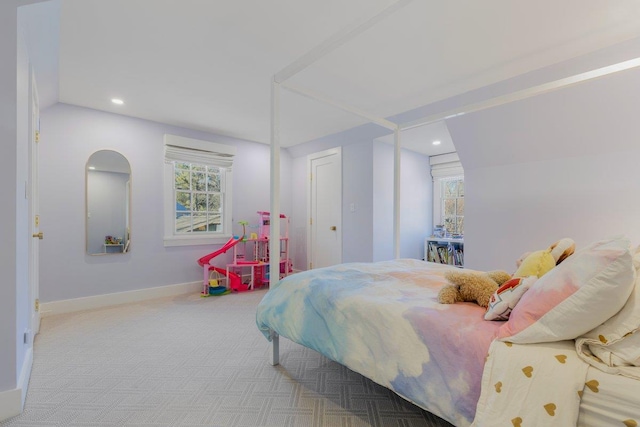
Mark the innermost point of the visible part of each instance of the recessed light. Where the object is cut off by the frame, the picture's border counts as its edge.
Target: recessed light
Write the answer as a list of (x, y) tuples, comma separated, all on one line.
[(92, 167), (436, 142), (117, 101)]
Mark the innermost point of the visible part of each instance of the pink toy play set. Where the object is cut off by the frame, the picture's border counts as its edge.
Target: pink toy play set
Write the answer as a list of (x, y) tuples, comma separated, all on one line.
[(249, 268)]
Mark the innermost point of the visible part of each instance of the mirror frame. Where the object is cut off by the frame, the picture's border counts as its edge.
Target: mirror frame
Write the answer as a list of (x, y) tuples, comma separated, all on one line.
[(126, 239)]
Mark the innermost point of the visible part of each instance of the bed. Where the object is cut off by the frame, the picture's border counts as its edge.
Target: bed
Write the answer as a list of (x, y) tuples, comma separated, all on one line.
[(383, 321)]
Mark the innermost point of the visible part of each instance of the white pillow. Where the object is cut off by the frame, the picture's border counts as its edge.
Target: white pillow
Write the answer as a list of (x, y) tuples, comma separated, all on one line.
[(617, 341), (581, 293)]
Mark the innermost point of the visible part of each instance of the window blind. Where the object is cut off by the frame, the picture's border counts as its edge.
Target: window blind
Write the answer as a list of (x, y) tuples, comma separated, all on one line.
[(181, 149), (446, 165)]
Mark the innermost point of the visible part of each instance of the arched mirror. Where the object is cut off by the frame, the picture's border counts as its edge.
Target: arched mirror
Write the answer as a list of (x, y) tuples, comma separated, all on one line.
[(108, 203)]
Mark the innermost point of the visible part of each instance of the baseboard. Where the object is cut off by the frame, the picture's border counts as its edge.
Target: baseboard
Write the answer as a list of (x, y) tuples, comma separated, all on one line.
[(99, 301), (12, 401), (25, 375)]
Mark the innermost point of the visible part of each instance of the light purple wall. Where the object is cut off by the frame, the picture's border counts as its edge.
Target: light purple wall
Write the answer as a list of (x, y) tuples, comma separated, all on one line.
[(251, 178), (382, 201), (416, 206), (8, 191), (415, 202), (70, 135), (563, 164), (23, 306), (299, 214), (15, 309), (357, 191)]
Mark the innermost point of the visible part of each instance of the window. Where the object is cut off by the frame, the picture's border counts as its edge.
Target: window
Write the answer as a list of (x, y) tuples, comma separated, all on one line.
[(448, 192), (199, 198), (452, 204), (197, 191)]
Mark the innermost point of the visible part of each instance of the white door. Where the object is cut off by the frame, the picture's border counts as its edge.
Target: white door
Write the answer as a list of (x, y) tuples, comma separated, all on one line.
[(34, 227), (325, 208)]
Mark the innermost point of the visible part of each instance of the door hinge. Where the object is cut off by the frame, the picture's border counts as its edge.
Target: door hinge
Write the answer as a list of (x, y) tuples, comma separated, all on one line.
[(37, 136), (37, 221), (37, 305)]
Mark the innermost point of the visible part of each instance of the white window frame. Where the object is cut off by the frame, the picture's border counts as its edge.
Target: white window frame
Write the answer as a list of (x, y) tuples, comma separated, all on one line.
[(444, 166), (188, 150)]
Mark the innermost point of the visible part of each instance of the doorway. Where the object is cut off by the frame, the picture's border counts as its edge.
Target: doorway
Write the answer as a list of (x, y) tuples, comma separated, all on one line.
[(324, 246)]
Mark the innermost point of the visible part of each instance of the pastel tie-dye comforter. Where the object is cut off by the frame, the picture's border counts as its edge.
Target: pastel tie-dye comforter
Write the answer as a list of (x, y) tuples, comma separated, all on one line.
[(383, 321)]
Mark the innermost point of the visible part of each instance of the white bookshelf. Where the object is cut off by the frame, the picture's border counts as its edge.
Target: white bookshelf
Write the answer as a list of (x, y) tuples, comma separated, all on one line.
[(444, 250)]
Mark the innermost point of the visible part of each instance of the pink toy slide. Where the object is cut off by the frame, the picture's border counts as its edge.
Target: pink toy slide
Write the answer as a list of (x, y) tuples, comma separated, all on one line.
[(235, 282)]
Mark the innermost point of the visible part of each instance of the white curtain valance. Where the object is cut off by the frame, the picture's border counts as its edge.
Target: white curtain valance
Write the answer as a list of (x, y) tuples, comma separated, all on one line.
[(180, 149), (446, 165)]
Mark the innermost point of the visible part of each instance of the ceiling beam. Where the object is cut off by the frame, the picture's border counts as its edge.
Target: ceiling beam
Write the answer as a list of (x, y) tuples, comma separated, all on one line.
[(28, 2), (335, 41), (524, 93), (350, 109)]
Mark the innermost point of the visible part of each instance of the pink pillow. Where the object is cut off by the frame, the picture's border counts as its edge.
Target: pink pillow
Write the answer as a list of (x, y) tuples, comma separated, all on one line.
[(581, 293)]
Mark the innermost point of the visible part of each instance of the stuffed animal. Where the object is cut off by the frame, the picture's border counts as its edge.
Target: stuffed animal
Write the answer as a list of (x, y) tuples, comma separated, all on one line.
[(471, 286), (480, 287), (531, 267), (540, 262)]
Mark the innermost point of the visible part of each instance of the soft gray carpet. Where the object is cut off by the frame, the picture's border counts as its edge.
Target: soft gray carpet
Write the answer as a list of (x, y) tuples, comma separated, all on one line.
[(191, 361)]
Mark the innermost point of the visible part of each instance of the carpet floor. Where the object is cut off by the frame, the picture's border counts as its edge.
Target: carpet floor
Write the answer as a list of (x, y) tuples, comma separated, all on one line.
[(191, 361)]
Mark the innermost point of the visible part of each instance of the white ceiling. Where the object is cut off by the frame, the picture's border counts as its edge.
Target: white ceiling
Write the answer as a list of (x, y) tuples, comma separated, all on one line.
[(421, 139), (207, 64)]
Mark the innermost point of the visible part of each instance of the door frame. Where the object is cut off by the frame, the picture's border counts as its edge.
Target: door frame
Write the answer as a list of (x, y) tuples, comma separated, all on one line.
[(34, 206), (310, 158)]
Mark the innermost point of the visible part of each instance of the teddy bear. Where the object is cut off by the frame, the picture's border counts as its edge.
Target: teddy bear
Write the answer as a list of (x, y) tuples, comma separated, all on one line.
[(479, 287), (471, 286)]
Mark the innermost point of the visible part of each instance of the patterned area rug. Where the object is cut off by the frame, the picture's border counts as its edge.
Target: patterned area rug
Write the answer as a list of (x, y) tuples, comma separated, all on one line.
[(191, 361)]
